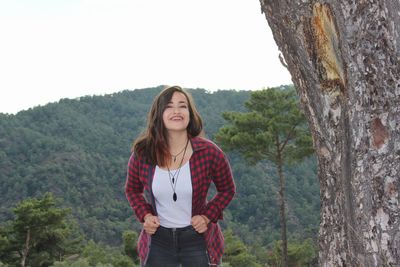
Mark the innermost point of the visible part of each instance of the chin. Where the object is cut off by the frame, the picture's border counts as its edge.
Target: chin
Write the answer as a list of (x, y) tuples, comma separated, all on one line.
[(177, 129)]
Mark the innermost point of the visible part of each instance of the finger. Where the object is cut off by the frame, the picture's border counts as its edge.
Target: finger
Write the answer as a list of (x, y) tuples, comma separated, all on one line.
[(150, 231), (152, 227), (195, 218), (197, 227), (156, 221), (201, 222), (195, 224), (202, 230), (196, 221)]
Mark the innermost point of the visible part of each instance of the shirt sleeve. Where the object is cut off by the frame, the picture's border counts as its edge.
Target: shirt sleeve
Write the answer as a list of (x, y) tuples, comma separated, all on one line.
[(134, 190), (221, 175)]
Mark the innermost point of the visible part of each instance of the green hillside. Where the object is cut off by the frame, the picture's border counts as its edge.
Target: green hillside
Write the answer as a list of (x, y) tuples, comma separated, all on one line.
[(78, 150)]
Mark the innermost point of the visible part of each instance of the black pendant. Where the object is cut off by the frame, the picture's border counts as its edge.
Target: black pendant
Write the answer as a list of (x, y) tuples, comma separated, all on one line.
[(175, 197), (173, 180)]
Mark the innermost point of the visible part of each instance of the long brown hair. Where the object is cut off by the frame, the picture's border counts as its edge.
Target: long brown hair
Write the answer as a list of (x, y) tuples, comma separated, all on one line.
[(153, 143)]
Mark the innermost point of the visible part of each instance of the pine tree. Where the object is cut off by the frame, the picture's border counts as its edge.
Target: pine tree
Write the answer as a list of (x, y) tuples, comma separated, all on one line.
[(274, 129), (39, 234)]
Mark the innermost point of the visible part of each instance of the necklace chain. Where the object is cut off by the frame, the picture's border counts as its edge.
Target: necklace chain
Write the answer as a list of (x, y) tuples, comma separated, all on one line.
[(174, 156), (176, 174)]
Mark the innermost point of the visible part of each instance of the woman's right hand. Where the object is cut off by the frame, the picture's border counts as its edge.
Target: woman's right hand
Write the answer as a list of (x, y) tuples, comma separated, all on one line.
[(151, 223)]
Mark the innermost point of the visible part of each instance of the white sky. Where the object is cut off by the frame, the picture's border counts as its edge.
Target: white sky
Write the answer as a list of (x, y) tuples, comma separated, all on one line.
[(52, 49)]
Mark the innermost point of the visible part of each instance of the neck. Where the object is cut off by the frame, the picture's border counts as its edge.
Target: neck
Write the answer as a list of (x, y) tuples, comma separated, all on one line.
[(177, 140)]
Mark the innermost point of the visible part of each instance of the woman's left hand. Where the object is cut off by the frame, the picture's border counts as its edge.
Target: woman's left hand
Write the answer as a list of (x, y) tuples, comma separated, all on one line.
[(199, 223)]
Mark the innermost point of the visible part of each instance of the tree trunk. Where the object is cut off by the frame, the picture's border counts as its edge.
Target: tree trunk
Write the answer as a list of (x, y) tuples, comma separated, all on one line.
[(344, 60), (282, 208), (25, 250)]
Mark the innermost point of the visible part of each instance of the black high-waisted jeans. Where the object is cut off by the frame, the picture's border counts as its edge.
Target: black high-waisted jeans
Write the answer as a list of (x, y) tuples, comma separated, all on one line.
[(175, 247)]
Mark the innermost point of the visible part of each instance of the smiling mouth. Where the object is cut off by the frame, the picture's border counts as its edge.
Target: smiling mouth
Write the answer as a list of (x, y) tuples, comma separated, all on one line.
[(176, 118)]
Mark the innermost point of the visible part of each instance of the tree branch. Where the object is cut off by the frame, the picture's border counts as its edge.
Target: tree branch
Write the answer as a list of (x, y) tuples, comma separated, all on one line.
[(288, 138)]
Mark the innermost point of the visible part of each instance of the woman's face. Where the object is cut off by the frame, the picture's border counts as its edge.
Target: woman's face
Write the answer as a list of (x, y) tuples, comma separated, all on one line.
[(176, 114)]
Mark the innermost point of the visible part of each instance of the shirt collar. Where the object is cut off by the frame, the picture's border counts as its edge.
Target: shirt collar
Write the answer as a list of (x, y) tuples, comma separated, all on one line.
[(198, 143)]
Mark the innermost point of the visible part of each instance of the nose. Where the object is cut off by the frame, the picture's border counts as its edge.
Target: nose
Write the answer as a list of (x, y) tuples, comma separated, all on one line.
[(175, 110)]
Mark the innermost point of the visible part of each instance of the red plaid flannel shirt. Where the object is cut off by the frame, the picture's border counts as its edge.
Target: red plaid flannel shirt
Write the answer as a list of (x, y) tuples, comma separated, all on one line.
[(207, 164)]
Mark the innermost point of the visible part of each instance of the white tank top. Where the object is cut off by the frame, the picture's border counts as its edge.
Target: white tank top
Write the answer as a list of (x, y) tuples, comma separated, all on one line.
[(173, 214)]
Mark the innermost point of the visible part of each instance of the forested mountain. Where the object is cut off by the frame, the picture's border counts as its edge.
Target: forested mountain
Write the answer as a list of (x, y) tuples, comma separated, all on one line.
[(78, 150)]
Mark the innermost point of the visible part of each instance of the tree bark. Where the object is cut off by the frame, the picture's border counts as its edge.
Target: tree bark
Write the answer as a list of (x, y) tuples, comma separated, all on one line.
[(25, 250), (344, 60)]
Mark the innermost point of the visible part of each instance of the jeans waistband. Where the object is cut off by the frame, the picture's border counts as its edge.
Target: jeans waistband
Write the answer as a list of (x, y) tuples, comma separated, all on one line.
[(182, 229), (178, 238)]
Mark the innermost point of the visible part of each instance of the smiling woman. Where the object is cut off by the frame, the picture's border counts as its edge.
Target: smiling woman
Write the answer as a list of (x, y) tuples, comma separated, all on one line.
[(173, 167), (176, 114)]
